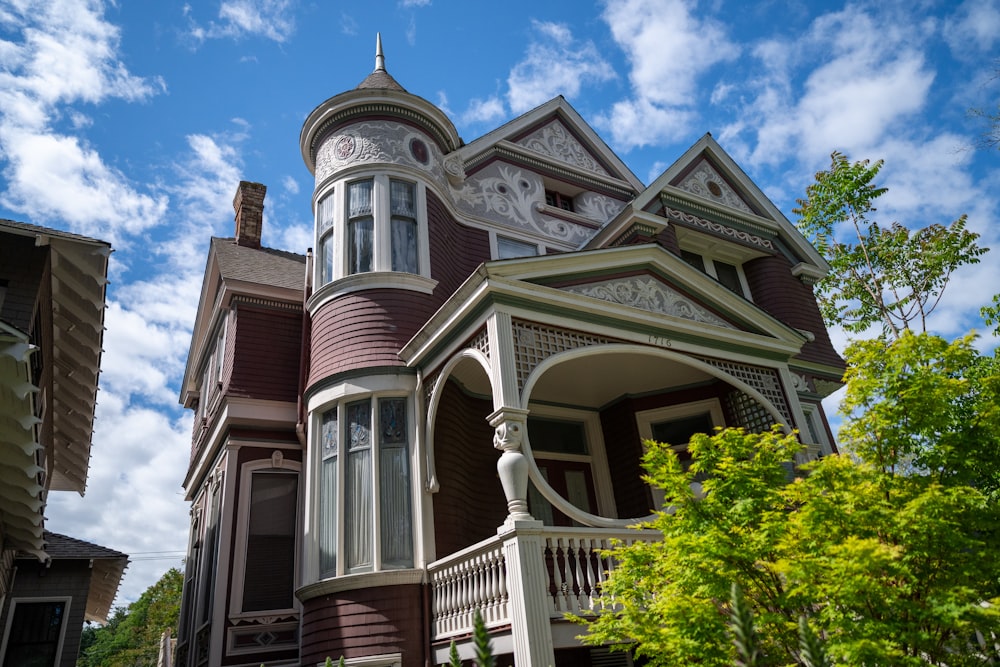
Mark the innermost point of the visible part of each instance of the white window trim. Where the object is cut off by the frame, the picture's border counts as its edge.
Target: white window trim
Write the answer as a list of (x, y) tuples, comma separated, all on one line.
[(242, 528), (598, 459), (28, 600), (495, 245), (340, 404), (811, 413), (383, 660), (646, 418), (381, 214)]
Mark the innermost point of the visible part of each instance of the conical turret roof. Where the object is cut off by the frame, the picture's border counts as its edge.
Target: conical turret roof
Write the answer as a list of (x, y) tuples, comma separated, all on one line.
[(380, 78)]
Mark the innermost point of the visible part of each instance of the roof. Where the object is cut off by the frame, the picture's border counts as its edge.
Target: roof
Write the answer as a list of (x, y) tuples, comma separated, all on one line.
[(78, 274), (106, 569), (380, 78), (64, 547), (29, 229), (264, 266)]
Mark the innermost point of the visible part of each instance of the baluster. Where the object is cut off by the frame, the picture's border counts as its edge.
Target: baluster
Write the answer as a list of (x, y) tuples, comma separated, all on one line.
[(589, 558), (574, 587), (502, 584)]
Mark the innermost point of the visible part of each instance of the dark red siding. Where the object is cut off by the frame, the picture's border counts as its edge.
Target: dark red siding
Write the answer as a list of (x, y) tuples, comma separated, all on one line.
[(471, 503), (788, 299), (456, 250), (365, 329), (265, 354), (369, 621)]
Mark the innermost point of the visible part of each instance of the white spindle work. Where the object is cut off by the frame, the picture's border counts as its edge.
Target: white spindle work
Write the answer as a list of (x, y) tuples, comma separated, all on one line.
[(476, 577)]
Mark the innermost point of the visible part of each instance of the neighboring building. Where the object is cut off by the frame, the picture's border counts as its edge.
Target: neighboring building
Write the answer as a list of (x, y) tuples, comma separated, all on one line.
[(523, 293), (52, 297)]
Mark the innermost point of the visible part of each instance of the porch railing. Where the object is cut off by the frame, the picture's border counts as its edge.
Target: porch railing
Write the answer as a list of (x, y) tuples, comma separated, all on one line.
[(476, 577)]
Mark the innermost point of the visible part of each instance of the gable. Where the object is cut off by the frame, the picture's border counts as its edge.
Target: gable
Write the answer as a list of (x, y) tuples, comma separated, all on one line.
[(704, 180), (554, 140), (652, 295)]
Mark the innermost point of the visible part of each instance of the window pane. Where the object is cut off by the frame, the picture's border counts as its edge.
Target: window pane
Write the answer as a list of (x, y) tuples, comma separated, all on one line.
[(268, 581), (358, 492), (508, 248), (694, 259), (360, 234), (324, 213), (679, 431), (394, 484), (556, 435), (404, 245), (326, 258), (34, 634), (539, 507), (402, 199), (359, 199), (728, 276), (328, 495)]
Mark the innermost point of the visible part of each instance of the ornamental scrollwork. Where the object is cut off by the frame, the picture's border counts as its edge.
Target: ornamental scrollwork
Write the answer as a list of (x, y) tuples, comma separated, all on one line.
[(554, 140), (649, 295)]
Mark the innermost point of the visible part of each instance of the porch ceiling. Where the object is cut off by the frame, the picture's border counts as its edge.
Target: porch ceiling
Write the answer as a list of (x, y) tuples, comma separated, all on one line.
[(597, 380)]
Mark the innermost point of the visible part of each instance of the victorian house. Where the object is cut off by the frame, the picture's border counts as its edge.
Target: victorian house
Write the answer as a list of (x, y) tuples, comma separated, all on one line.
[(441, 408)]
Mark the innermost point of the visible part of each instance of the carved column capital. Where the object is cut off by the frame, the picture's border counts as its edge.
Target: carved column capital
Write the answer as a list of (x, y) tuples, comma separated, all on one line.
[(509, 426)]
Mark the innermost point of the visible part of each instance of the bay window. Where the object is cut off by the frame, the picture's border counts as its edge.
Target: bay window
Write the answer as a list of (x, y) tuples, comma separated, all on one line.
[(364, 506), (375, 224)]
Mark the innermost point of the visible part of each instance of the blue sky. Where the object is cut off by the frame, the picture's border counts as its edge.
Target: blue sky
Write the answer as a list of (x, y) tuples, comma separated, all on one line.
[(133, 122)]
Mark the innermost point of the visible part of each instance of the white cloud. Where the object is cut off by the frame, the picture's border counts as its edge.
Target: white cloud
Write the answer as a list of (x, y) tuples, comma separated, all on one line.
[(414, 3), (669, 48), (489, 110), (290, 185), (271, 19), (974, 28), (66, 53), (556, 64)]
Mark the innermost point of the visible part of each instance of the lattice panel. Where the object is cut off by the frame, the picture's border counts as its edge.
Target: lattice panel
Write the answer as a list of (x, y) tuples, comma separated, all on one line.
[(534, 343), (764, 380), (481, 342), (748, 413), (429, 384)]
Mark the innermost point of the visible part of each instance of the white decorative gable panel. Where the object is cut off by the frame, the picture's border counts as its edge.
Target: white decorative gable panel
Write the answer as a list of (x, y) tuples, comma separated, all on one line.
[(555, 141), (515, 198), (647, 294), (706, 182)]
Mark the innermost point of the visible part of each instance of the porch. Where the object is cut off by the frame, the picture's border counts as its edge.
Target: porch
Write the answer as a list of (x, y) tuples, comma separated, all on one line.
[(523, 582)]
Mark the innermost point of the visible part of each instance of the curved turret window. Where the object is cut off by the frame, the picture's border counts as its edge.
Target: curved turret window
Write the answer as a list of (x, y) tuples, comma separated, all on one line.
[(375, 224)]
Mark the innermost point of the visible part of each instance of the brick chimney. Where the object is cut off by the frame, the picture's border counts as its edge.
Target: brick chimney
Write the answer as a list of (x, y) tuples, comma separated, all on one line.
[(249, 206)]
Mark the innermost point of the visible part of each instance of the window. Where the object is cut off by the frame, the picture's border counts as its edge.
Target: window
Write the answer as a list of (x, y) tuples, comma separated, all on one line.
[(559, 200), (568, 449), (269, 572), (729, 275), (264, 565), (509, 248), (365, 514), (324, 223), (35, 634), (360, 227), (371, 225), (403, 226), (675, 425)]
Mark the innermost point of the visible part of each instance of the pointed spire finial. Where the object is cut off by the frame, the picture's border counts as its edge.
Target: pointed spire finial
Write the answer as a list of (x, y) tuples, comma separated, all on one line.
[(379, 58)]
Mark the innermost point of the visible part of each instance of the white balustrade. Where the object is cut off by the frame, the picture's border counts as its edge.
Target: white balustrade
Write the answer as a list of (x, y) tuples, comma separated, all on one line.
[(476, 577)]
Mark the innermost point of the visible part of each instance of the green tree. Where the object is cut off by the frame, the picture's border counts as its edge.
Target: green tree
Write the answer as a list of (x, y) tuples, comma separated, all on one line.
[(880, 274), (888, 569), (131, 637)]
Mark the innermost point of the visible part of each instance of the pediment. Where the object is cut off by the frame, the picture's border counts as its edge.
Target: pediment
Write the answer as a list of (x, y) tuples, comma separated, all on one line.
[(705, 181), (649, 294), (555, 141)]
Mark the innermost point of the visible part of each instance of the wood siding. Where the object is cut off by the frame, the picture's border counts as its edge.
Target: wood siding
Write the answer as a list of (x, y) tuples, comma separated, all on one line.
[(471, 503), (788, 299), (369, 621), (22, 265), (265, 351), (456, 250), (365, 330), (63, 578)]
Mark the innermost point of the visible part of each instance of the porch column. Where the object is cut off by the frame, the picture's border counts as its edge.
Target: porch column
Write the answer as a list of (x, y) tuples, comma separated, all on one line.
[(527, 585), (510, 425)]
